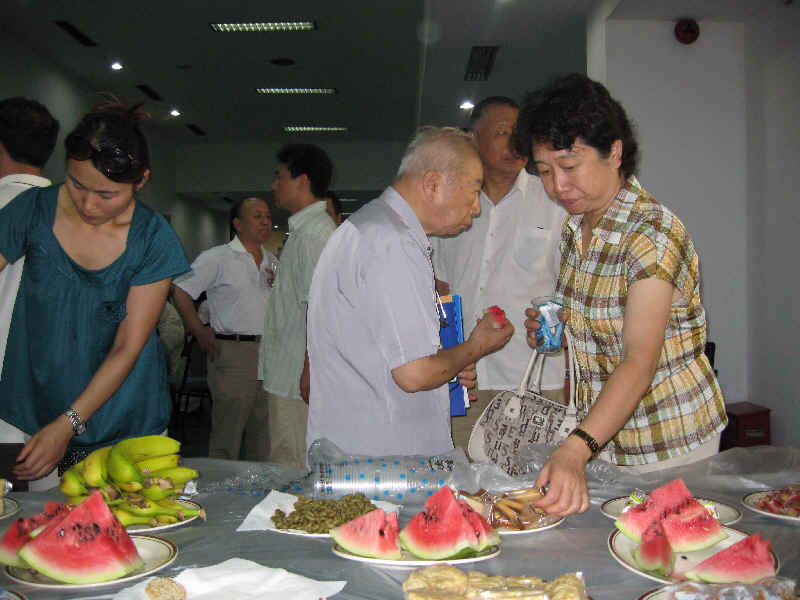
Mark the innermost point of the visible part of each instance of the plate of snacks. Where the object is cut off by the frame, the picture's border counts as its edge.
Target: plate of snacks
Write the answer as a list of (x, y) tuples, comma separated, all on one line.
[(778, 504), (512, 512), (447, 582), (769, 588), (303, 516)]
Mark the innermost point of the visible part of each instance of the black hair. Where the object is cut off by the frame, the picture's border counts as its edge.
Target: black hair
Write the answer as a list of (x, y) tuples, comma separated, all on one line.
[(114, 126), (480, 107), (337, 204), (309, 160), (27, 130), (573, 107)]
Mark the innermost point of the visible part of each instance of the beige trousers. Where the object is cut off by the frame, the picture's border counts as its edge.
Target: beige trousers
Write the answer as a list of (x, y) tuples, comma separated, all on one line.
[(288, 418), (239, 403), (461, 427)]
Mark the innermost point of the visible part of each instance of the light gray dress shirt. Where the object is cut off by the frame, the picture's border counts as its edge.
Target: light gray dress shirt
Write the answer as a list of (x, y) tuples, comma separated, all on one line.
[(283, 345), (372, 309)]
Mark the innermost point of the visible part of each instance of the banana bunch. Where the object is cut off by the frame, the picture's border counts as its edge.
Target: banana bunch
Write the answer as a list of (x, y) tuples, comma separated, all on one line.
[(138, 477)]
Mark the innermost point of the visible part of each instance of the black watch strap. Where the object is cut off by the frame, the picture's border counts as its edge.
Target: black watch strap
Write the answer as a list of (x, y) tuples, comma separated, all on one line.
[(590, 441)]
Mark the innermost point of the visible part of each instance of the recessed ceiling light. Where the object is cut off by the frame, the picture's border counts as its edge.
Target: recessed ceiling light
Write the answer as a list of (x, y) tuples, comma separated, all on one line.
[(314, 129), (263, 26), (175, 112), (466, 105), (291, 91), (116, 65)]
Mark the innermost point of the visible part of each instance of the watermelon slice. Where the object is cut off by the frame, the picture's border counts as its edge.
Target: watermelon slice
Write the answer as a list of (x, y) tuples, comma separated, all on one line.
[(654, 553), (446, 530), (19, 533), (635, 521), (746, 561), (88, 545), (373, 534), (484, 532), (691, 527), (498, 314)]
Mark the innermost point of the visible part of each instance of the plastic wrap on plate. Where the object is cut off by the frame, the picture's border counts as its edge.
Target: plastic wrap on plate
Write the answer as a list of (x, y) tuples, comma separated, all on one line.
[(512, 509), (770, 588)]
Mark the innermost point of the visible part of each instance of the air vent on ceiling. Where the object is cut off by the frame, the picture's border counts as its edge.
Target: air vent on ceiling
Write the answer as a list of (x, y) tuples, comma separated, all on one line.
[(480, 63), (149, 92), (195, 129), (76, 33)]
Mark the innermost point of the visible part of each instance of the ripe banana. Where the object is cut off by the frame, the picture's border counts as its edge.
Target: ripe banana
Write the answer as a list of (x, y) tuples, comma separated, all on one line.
[(121, 469), (127, 518), (110, 494), (95, 471), (128, 486), (139, 448), (178, 475), (167, 519), (72, 484), (156, 492), (149, 465), (139, 505), (184, 512)]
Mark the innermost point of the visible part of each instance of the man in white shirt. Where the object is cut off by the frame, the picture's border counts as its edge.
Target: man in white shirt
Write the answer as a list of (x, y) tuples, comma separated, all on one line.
[(378, 372), (509, 256), (237, 278), (28, 135), (301, 180)]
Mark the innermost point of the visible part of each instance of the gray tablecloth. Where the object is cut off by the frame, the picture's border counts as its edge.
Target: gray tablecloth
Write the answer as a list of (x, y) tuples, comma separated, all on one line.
[(228, 490)]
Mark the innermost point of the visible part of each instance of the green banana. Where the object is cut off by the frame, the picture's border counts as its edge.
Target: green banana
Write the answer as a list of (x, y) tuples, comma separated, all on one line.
[(95, 471), (167, 519), (139, 448), (120, 468), (75, 500), (156, 492), (128, 486), (139, 505), (72, 484), (177, 475), (110, 494), (127, 518), (149, 465), (183, 512)]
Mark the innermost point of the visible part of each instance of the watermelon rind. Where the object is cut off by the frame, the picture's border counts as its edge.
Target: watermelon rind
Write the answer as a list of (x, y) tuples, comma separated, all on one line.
[(655, 553), (89, 545), (747, 561), (373, 535), (662, 500), (22, 530)]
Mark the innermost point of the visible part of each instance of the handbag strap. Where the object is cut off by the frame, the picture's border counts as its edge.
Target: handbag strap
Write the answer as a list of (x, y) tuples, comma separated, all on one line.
[(539, 366)]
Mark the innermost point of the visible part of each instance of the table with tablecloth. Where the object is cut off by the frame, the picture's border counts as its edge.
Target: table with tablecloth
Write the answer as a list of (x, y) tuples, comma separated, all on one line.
[(228, 490)]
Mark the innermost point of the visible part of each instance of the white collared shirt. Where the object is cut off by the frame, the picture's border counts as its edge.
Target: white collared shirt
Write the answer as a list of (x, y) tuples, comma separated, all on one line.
[(509, 256), (10, 187), (237, 289)]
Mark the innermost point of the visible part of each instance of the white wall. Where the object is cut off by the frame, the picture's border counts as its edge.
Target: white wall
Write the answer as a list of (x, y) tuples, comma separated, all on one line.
[(689, 105), (66, 97)]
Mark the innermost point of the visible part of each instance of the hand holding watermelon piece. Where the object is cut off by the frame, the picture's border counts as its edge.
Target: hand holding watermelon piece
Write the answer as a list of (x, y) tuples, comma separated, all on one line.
[(498, 314)]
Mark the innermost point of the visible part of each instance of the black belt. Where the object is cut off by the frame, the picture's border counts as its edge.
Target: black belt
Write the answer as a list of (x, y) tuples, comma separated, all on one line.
[(237, 337)]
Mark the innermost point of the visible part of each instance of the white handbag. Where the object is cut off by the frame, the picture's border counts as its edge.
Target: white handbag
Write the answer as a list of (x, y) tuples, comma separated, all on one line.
[(515, 419)]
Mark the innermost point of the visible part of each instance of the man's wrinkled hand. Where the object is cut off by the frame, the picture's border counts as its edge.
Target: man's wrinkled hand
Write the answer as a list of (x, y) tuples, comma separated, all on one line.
[(468, 376)]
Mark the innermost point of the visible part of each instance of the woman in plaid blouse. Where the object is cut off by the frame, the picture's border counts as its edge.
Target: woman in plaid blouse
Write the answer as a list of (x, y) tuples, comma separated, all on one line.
[(630, 284)]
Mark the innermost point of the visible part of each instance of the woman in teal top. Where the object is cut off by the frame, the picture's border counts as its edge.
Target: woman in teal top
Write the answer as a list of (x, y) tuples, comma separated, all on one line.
[(83, 367)]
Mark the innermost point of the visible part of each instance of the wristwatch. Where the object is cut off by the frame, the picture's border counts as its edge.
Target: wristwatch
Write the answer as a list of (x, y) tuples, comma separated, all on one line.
[(594, 447), (78, 425)]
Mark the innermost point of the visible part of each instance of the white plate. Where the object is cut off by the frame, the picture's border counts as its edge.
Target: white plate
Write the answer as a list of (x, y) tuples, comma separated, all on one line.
[(141, 528), (10, 507), (156, 554), (409, 561), (548, 525), (750, 499), (621, 548), (658, 594), (728, 515)]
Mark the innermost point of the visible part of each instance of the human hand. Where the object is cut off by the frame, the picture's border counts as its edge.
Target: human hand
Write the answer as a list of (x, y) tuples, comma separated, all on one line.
[(442, 287), (44, 450), (491, 336), (208, 342), (565, 473), (468, 377), (532, 325)]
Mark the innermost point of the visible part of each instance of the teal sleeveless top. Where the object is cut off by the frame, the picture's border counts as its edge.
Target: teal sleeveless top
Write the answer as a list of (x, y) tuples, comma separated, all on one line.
[(65, 319)]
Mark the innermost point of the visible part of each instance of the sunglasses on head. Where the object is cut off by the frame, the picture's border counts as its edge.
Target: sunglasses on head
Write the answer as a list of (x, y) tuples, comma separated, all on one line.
[(114, 162)]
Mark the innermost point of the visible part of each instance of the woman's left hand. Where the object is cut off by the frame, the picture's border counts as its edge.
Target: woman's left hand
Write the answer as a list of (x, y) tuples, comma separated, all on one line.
[(43, 451), (565, 473)]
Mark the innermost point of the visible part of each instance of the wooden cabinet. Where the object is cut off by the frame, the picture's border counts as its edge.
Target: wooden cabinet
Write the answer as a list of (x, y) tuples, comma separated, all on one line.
[(748, 425)]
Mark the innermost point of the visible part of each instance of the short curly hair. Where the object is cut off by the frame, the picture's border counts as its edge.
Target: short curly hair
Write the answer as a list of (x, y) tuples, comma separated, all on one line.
[(573, 107)]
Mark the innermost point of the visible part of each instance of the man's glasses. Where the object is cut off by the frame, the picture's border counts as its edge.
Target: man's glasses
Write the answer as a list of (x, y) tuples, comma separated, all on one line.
[(114, 162)]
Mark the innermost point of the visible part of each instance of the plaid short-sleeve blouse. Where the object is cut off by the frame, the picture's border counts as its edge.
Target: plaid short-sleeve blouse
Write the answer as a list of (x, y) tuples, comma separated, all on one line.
[(639, 238)]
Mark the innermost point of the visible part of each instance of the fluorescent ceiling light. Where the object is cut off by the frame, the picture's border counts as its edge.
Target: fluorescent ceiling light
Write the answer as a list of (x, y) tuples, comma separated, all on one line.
[(263, 26), (175, 112), (290, 91), (314, 129), (116, 65), (466, 105)]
